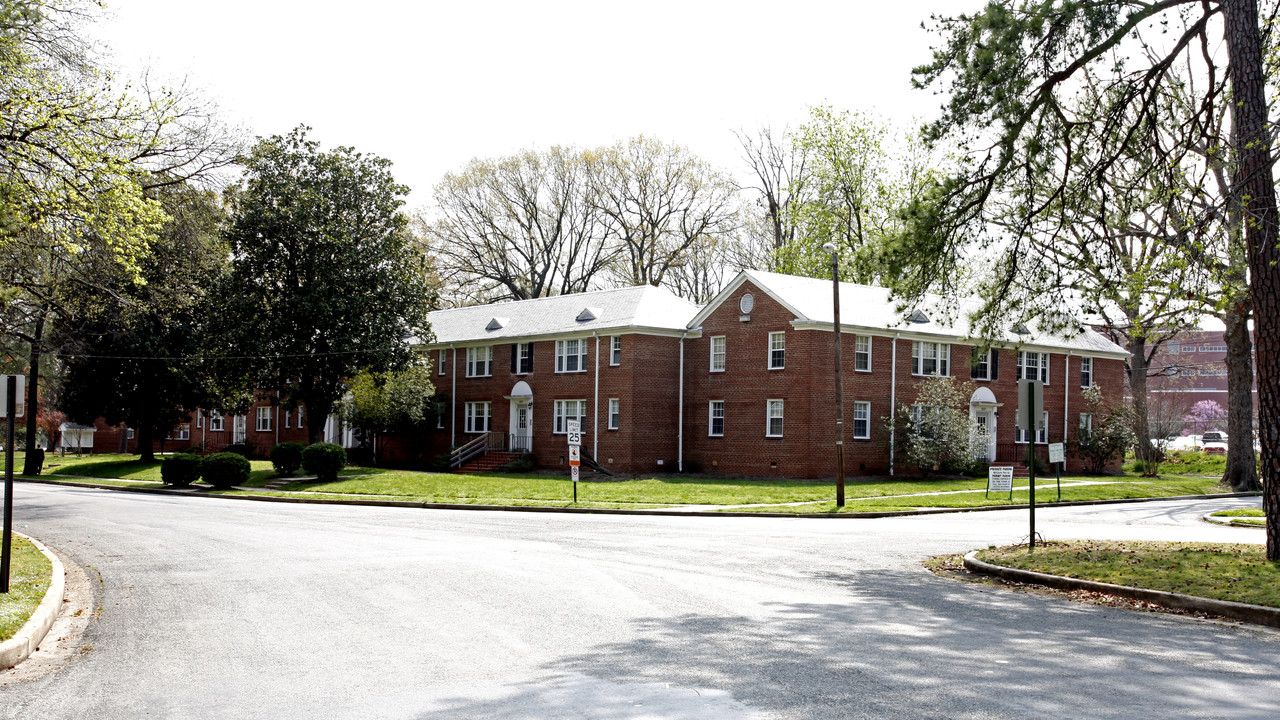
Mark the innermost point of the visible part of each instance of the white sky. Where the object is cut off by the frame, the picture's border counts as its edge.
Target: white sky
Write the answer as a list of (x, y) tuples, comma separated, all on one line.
[(430, 85)]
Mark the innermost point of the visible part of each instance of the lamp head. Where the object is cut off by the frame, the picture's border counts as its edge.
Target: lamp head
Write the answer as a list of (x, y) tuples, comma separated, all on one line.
[(830, 247)]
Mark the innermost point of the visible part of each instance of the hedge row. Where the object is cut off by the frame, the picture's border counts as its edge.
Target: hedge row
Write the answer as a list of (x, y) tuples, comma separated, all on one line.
[(226, 469)]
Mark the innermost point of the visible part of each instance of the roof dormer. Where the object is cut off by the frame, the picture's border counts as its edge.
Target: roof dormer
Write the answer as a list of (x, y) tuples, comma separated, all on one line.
[(497, 323), (588, 314)]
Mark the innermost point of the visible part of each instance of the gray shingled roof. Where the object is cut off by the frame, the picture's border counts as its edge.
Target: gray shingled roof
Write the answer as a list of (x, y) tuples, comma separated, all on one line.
[(634, 308), (866, 306)]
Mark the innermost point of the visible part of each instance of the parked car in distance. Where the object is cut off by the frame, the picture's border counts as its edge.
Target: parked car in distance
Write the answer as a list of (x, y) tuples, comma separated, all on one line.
[(1214, 436)]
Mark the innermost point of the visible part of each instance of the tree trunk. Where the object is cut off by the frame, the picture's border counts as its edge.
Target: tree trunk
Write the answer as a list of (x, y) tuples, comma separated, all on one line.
[(145, 433), (1143, 449), (1240, 474), (1254, 188), (30, 466)]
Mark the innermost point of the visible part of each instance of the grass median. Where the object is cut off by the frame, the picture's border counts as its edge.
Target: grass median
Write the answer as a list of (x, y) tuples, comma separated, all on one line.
[(663, 491), (30, 573), (1221, 571)]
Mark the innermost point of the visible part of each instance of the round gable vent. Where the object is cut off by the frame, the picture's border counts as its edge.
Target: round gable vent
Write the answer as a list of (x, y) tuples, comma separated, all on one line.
[(746, 304)]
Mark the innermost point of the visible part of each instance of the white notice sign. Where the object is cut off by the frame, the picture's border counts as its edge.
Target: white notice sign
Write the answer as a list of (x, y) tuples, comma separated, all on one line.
[(999, 479), (1056, 453), (575, 454), (573, 473), (574, 430), (4, 394)]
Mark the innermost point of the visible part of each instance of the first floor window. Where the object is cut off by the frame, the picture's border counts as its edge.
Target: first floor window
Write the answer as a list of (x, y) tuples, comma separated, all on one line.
[(1042, 432), (288, 419), (478, 414), (921, 415), (716, 428), (263, 419), (216, 422), (239, 424), (480, 361), (1086, 372), (570, 410), (1086, 426), (440, 411), (777, 350), (773, 428), (615, 350), (199, 419), (861, 420), (930, 358), (299, 418), (615, 413), (862, 353), (571, 356)]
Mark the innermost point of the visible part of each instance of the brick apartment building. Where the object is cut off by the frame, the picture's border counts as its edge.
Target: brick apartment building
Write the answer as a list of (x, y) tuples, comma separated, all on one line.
[(1192, 367), (741, 385)]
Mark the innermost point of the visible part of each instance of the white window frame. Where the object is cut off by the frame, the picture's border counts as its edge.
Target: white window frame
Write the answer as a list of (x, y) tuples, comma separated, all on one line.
[(984, 363), (720, 355), (941, 358), (769, 416), (1042, 361), (288, 419), (615, 350), (778, 350), (861, 355), (1086, 426), (299, 417), (917, 417), (1042, 434), (524, 351), (473, 412), (199, 419), (217, 423), (239, 429), (480, 358), (561, 413), (863, 408), (579, 357), (1086, 374), (712, 407), (440, 409), (444, 362), (615, 413), (261, 420)]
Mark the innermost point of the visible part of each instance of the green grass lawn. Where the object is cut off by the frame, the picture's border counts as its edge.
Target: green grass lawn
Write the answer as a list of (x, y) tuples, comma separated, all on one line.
[(1250, 517), (30, 573), (1221, 571), (653, 492)]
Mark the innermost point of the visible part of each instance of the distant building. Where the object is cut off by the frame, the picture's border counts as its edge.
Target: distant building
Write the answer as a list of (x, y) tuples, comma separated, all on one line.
[(1191, 367)]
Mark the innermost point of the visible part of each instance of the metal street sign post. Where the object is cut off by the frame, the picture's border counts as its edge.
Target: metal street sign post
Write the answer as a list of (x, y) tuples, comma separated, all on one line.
[(1030, 417), (13, 386), (573, 429), (1058, 456)]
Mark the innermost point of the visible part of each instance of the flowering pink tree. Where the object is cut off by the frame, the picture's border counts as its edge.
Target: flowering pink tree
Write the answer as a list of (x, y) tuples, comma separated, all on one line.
[(1204, 415)]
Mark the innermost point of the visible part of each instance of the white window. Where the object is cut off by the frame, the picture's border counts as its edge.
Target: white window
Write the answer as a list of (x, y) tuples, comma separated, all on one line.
[(199, 419), (773, 419), (1042, 432), (920, 413), (216, 421), (440, 410), (1086, 372), (615, 413), (571, 356), (263, 419), (299, 418), (181, 432), (239, 426), (615, 350), (982, 364), (444, 361), (1033, 365), (129, 435), (930, 358), (777, 351), (861, 420), (570, 410), (862, 353), (1086, 426), (288, 419), (524, 358), (480, 361), (716, 426), (717, 353), (478, 415)]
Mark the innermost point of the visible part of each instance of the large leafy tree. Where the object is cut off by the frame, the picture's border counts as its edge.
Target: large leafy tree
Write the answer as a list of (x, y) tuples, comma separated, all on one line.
[(1015, 74), (326, 280), (136, 354)]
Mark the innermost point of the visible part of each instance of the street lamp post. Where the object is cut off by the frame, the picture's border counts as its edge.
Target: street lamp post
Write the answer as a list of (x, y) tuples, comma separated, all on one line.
[(835, 291)]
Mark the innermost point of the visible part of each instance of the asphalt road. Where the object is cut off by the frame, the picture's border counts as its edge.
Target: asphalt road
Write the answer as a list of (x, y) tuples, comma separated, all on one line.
[(216, 608)]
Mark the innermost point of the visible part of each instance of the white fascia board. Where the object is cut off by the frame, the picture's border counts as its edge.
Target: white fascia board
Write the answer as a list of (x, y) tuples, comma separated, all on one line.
[(731, 288), (577, 335), (957, 339)]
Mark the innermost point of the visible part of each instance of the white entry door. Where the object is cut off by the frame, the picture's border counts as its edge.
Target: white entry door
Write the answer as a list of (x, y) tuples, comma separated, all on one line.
[(521, 437), (985, 422)]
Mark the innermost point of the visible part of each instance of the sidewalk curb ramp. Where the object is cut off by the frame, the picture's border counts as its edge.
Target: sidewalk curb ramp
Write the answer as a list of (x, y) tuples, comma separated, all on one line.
[(1257, 614), (20, 646)]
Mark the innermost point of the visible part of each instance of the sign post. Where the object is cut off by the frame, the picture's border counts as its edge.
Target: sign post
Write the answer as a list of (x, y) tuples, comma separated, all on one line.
[(1058, 456), (573, 429), (1031, 415), (12, 385)]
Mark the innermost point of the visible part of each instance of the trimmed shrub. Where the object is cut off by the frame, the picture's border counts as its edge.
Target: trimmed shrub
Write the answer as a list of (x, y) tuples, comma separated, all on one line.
[(522, 464), (241, 449), (180, 469), (324, 460), (224, 469), (286, 458)]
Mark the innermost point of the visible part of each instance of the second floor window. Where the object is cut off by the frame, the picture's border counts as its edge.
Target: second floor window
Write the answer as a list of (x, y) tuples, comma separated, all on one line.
[(717, 353), (571, 356), (522, 358), (480, 361), (984, 365), (862, 353), (1086, 372), (930, 358), (615, 350), (777, 350), (1034, 365)]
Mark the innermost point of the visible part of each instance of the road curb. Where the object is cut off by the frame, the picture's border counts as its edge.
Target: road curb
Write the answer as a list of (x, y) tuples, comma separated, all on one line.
[(1257, 614), (28, 639), (620, 511), (1225, 520)]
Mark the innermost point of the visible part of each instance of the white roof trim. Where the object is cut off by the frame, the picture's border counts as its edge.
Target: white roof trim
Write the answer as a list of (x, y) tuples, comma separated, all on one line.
[(731, 288)]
